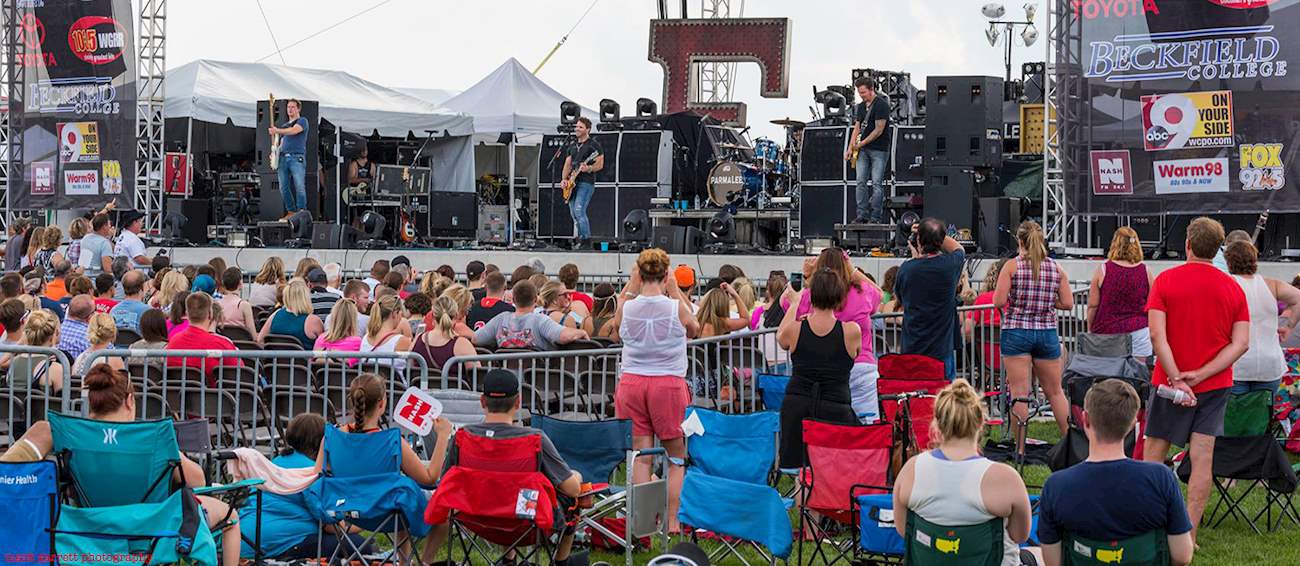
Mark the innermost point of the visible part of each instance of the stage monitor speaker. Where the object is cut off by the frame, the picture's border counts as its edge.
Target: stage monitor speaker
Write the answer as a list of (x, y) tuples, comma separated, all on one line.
[(821, 207), (678, 239), (455, 216), (998, 221), (908, 154), (950, 196), (198, 213), (331, 236), (645, 157), (821, 157), (963, 124)]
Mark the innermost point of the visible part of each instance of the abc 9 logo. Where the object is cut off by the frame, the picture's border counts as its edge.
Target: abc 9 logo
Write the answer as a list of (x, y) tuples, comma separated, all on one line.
[(1173, 119)]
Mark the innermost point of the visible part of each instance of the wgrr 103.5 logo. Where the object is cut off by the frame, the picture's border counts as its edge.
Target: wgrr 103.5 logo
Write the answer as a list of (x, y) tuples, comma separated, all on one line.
[(98, 40)]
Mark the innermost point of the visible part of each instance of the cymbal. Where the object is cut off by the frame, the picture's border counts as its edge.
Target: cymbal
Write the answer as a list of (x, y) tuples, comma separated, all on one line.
[(725, 145), (789, 123)]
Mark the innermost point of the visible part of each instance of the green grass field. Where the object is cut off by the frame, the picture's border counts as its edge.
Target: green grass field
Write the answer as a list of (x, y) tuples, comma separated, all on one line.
[(1233, 543)]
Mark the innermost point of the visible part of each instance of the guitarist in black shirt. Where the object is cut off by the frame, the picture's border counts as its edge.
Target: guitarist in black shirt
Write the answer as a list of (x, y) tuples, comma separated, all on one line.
[(580, 171)]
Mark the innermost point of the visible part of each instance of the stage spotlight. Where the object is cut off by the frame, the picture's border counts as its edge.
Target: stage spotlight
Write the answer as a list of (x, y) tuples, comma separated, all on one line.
[(372, 231), (1029, 35), (569, 113), (992, 35), (993, 10), (834, 105), (1031, 10), (905, 223), (636, 226), (609, 110), (646, 108), (300, 229), (722, 228)]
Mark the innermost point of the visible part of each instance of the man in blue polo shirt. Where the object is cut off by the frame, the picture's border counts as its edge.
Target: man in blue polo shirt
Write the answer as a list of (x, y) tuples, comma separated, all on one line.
[(293, 159), (1110, 497)]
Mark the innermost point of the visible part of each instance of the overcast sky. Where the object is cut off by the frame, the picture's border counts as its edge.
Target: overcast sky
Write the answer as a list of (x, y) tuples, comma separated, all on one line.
[(452, 44)]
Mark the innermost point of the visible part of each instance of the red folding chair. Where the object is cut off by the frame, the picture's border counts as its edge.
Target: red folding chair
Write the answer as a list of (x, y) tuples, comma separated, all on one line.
[(844, 461), (907, 387), (496, 493)]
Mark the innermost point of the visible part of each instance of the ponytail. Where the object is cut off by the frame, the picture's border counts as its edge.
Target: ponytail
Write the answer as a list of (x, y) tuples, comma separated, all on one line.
[(363, 398), (445, 312), (382, 309), (1030, 236)]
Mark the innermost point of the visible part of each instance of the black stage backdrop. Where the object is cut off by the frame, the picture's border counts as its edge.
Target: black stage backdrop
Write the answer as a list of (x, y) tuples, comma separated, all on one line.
[(1191, 106), (78, 113)]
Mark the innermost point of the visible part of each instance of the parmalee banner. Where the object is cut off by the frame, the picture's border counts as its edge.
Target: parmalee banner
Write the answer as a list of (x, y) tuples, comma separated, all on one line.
[(1200, 97), (77, 116)]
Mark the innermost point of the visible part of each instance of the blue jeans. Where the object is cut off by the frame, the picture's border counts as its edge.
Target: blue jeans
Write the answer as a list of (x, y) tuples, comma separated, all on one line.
[(1244, 387), (1037, 344), (871, 199), (293, 181), (578, 209)]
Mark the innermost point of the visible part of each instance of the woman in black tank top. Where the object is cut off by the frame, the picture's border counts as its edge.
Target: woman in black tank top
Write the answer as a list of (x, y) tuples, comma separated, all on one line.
[(822, 350)]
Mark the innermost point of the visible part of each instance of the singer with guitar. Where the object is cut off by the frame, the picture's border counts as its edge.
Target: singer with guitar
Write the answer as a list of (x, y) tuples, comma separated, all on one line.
[(292, 154), (869, 151), (580, 177)]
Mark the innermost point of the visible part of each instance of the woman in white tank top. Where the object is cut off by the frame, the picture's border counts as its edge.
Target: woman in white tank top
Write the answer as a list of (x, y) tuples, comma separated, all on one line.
[(953, 485), (1263, 364)]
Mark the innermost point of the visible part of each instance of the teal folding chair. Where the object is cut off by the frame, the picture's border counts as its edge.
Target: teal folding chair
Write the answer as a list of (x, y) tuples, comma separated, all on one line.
[(123, 497)]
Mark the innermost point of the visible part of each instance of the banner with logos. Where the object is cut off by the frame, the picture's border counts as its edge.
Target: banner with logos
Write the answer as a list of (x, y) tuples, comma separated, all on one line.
[(77, 112), (1190, 103)]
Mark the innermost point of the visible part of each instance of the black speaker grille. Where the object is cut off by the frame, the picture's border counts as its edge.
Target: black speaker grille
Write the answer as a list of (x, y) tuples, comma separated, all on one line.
[(550, 164), (822, 156), (821, 208), (638, 157), (608, 142)]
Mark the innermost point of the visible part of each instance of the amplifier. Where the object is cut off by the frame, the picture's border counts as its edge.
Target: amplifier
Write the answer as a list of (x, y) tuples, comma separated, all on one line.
[(908, 154), (646, 157), (550, 159), (393, 180), (821, 158)]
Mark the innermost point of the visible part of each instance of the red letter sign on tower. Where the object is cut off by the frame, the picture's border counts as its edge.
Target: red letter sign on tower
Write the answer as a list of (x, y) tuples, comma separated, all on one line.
[(676, 44)]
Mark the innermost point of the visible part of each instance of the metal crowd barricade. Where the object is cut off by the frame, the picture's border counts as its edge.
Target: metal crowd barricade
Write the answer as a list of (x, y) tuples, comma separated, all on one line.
[(23, 402), (579, 383), (249, 396)]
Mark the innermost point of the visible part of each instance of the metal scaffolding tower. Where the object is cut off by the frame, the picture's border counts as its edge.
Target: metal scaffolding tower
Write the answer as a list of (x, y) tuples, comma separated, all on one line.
[(1065, 94), (713, 81), (10, 132), (151, 62)]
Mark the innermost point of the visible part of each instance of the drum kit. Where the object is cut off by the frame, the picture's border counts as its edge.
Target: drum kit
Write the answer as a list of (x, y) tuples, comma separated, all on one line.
[(736, 181)]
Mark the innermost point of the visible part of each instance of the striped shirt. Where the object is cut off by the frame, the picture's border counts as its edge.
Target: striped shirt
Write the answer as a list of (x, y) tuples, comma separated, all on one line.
[(322, 302), (1031, 304)]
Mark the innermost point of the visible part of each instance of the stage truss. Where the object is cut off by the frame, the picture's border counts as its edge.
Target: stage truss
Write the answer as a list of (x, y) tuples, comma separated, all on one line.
[(1065, 88), (151, 41)]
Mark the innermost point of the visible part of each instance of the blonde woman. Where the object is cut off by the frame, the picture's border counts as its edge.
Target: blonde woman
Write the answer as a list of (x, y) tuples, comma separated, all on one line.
[(341, 336), (463, 298), (1032, 288), (715, 312), (51, 239), (173, 284), (33, 370), (76, 231), (266, 285), (383, 332), (1117, 295), (990, 490), (558, 305), (305, 265), (35, 241), (434, 284), (101, 334), (295, 318), (441, 342), (747, 295)]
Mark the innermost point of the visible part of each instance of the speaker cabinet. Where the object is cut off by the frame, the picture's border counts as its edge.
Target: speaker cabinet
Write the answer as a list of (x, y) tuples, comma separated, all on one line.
[(999, 218), (609, 144), (645, 158), (821, 207), (908, 154), (963, 124), (454, 216), (553, 218), (331, 236), (198, 214), (950, 196), (677, 239), (821, 158)]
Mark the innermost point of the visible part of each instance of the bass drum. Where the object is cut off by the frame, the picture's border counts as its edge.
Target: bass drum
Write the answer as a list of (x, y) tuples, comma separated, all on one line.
[(730, 181)]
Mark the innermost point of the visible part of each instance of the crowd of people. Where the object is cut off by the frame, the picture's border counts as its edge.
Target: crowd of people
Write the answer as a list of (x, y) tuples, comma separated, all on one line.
[(1208, 329)]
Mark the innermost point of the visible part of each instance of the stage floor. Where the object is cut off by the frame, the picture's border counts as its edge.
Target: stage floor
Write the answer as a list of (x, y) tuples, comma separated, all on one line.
[(597, 263)]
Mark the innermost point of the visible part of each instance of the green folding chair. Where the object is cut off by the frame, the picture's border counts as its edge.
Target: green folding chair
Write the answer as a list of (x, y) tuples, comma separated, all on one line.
[(123, 499), (1149, 549), (930, 544)]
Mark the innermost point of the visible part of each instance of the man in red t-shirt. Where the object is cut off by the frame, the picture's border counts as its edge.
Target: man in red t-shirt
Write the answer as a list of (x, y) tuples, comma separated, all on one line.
[(1200, 325), (199, 336)]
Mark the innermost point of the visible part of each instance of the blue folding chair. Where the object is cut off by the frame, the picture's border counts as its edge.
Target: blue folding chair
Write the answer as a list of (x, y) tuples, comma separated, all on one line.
[(772, 390), (29, 503), (595, 449), (124, 500), (726, 489), (362, 484)]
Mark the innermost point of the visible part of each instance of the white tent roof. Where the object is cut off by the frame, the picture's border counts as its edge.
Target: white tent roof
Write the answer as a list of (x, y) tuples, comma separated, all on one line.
[(214, 91), (511, 99), (435, 96)]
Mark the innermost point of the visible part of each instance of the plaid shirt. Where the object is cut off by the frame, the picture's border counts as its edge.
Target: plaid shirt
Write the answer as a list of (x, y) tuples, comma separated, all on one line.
[(72, 337), (1031, 304)]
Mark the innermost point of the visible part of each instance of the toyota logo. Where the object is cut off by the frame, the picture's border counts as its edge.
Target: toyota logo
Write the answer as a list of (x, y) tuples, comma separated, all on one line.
[(32, 32)]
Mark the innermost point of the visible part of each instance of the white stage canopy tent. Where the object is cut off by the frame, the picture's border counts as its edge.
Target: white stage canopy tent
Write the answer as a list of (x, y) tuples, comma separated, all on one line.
[(435, 96)]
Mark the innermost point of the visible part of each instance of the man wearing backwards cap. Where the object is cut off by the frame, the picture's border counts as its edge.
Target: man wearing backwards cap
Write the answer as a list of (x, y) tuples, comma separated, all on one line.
[(129, 244), (500, 400)]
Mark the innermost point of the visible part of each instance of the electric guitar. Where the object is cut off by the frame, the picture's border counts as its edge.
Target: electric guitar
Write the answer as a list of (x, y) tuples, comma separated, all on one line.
[(568, 184), (853, 159), (275, 138), (407, 227)]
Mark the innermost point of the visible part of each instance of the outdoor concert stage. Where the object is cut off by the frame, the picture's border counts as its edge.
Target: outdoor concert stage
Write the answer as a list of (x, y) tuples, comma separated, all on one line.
[(598, 263)]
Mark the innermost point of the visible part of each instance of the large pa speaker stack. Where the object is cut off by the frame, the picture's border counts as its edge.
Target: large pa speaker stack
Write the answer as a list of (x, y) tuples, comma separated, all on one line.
[(826, 195), (272, 205), (963, 125)]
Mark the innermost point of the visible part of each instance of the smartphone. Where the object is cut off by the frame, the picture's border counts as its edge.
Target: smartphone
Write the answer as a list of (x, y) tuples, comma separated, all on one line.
[(796, 281)]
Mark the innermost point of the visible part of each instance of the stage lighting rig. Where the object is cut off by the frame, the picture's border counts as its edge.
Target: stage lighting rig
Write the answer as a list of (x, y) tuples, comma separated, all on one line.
[(372, 231), (646, 108), (1029, 34), (636, 231), (300, 229), (569, 113)]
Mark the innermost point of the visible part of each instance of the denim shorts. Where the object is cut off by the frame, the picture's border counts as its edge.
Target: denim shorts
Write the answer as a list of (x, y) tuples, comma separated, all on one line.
[(1038, 344)]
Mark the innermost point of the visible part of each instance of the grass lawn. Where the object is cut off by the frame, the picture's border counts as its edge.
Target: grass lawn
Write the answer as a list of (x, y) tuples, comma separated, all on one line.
[(1232, 543)]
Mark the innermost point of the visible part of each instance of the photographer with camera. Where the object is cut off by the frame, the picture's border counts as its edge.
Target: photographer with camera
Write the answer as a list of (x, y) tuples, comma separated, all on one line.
[(926, 287)]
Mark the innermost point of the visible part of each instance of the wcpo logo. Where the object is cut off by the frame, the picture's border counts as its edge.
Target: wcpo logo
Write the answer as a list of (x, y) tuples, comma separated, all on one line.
[(97, 40)]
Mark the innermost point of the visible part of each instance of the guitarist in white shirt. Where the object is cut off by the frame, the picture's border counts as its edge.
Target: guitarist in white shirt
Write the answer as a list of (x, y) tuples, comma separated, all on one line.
[(584, 185)]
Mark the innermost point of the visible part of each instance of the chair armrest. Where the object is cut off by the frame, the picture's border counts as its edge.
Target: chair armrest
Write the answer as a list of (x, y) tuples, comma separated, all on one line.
[(650, 451), (239, 485)]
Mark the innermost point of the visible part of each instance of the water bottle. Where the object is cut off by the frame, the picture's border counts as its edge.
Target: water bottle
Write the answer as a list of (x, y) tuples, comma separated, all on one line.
[(1178, 396)]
